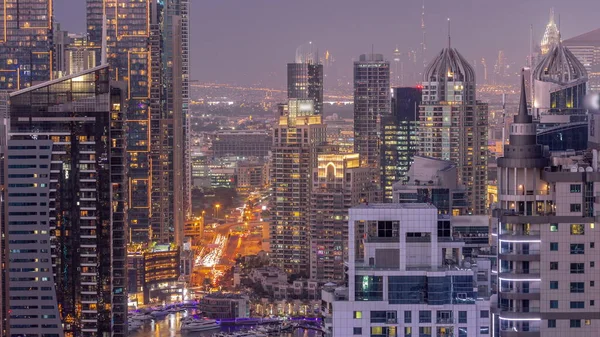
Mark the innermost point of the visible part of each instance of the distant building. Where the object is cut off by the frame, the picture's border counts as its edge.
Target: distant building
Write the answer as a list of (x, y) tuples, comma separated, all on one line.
[(371, 103), (241, 143), (586, 47), (305, 81), (453, 124), (407, 277), (399, 137), (433, 181), (551, 35), (251, 176)]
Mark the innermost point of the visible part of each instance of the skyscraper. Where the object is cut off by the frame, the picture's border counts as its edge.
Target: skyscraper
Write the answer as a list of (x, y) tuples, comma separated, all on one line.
[(25, 43), (560, 86), (551, 35), (338, 183), (30, 294), (371, 103), (305, 77), (148, 49), (453, 125), (399, 137), (83, 116), (297, 136), (545, 237), (586, 47)]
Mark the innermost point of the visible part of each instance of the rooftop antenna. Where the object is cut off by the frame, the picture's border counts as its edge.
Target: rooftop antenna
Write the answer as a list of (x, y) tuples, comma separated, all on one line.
[(104, 37), (448, 33), (559, 34)]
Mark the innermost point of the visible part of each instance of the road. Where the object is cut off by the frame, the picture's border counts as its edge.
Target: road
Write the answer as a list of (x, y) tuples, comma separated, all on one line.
[(228, 241)]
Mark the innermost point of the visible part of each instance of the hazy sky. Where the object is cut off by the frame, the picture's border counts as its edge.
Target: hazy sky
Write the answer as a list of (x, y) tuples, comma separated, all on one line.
[(249, 41)]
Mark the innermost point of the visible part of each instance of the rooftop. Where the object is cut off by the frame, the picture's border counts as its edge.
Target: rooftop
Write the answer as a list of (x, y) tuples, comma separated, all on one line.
[(394, 206)]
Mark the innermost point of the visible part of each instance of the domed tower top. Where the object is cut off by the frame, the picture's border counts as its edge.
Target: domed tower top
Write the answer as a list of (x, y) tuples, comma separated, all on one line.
[(449, 65), (560, 66), (551, 36), (449, 77)]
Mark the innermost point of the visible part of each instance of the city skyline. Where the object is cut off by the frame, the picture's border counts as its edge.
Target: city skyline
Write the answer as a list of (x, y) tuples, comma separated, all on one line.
[(246, 50)]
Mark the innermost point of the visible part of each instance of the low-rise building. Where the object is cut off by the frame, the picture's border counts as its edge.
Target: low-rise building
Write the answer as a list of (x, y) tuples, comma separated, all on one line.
[(222, 305)]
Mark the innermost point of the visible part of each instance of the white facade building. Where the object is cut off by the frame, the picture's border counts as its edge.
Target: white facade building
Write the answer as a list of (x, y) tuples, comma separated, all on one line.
[(406, 277), (30, 292)]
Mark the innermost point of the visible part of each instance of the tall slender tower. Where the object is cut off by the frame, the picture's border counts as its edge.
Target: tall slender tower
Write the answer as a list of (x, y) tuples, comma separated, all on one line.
[(453, 125), (26, 32), (551, 36), (148, 49), (546, 238), (297, 136), (84, 122), (305, 76), (371, 102)]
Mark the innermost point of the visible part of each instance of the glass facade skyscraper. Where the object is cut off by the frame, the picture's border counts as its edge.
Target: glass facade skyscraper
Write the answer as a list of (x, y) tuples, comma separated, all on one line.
[(305, 81), (148, 49), (25, 43), (83, 116), (371, 103), (399, 137)]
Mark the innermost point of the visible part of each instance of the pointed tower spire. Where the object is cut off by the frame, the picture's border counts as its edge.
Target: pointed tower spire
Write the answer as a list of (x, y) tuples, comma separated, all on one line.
[(449, 46), (523, 116)]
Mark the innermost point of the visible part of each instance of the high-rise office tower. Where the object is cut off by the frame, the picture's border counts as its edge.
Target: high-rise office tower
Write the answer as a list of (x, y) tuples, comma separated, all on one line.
[(338, 183), (399, 137), (453, 125), (305, 77), (30, 294), (551, 35), (586, 47), (25, 43), (148, 49), (82, 115), (546, 237), (371, 102), (297, 136)]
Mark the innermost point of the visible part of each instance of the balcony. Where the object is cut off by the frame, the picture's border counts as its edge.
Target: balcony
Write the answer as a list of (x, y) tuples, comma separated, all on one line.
[(525, 192), (520, 235), (520, 274), (520, 255), (516, 313), (382, 239), (444, 320)]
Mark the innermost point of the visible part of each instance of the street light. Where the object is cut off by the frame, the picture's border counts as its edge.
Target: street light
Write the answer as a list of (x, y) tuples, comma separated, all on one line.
[(217, 206)]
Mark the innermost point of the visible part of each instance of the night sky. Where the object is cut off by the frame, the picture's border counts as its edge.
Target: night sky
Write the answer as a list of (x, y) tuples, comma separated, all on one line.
[(249, 41)]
